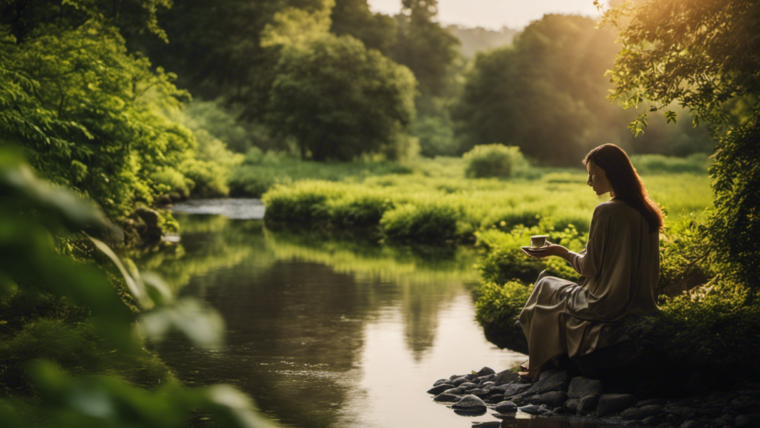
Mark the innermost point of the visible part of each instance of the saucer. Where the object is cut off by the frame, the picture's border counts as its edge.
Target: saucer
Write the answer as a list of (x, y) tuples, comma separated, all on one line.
[(535, 248)]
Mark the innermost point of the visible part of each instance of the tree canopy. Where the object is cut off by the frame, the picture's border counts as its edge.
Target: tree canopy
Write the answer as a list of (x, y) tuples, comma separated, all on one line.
[(705, 56)]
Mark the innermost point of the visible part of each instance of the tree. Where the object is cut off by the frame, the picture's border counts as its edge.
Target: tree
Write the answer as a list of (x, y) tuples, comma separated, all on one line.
[(341, 100), (705, 56), (375, 30)]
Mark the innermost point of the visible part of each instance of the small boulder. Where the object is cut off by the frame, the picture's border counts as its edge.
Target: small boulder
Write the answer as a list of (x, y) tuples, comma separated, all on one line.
[(480, 392), (572, 404), (587, 404), (533, 409), (507, 376), (468, 385), (445, 397), (470, 403), (514, 388), (551, 398), (550, 380), (494, 399), (458, 381), (581, 387), (638, 413), (506, 407), (485, 371), (743, 402), (441, 381), (488, 424), (440, 388), (614, 403)]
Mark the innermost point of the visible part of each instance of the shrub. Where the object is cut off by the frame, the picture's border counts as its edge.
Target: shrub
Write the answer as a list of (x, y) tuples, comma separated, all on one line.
[(426, 222), (169, 180), (696, 163), (499, 304), (494, 160)]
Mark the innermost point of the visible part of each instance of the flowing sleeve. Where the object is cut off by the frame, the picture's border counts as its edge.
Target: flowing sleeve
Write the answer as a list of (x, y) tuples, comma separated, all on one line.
[(588, 262)]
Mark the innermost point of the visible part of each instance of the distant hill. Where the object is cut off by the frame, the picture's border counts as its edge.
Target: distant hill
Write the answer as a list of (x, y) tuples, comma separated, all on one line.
[(480, 39)]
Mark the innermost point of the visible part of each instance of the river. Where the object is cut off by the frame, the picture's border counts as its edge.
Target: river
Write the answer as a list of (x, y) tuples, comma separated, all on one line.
[(326, 332)]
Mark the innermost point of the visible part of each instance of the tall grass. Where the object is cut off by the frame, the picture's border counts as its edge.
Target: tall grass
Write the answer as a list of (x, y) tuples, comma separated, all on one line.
[(416, 207)]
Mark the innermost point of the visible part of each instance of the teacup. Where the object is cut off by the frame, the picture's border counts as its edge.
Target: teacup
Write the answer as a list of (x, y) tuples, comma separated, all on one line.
[(538, 241)]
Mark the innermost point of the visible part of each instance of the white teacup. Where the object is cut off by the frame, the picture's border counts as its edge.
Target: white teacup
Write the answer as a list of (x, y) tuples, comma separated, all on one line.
[(538, 241)]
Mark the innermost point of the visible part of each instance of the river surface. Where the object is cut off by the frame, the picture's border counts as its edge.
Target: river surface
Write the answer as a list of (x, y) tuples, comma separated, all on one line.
[(326, 332)]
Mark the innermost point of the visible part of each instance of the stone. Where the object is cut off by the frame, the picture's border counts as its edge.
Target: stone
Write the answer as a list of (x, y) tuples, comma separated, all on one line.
[(533, 409), (446, 398), (468, 385), (587, 404), (638, 413), (559, 410), (614, 403), (487, 384), (550, 380), (440, 388), (470, 403), (642, 403), (572, 404), (480, 392), (489, 424), (651, 420), (514, 388), (458, 381), (690, 424), (664, 425), (441, 381), (551, 398), (743, 421), (743, 402), (152, 231), (581, 387), (506, 407), (485, 371), (671, 418), (494, 399), (507, 376)]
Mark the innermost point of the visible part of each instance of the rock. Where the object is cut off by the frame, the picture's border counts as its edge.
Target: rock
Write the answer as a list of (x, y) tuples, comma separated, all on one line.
[(151, 232), (494, 399), (559, 410), (639, 413), (551, 398), (613, 403), (458, 381), (440, 388), (446, 398), (485, 371), (441, 381), (506, 407), (743, 402), (581, 387), (550, 380), (480, 392), (587, 404), (743, 421), (507, 376), (514, 388), (690, 424), (468, 385), (572, 404), (651, 420), (509, 337), (489, 424), (671, 418), (470, 403), (664, 425), (487, 384), (484, 379), (642, 403), (533, 409)]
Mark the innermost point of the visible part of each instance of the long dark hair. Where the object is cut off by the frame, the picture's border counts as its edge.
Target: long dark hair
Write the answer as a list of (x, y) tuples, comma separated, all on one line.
[(626, 183)]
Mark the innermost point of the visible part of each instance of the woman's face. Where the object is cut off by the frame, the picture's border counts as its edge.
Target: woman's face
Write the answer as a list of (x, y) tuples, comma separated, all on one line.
[(597, 179)]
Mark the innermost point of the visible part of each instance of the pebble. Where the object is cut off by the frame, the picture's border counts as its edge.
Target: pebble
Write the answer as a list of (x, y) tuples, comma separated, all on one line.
[(458, 381), (551, 399), (533, 409), (588, 404), (440, 388), (581, 387), (638, 413), (486, 371), (613, 403), (446, 398)]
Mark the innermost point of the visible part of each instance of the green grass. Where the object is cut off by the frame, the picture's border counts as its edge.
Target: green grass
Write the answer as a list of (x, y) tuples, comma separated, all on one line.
[(432, 207)]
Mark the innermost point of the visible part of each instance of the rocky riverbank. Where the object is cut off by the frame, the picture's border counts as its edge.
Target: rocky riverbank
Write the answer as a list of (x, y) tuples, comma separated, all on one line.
[(559, 394)]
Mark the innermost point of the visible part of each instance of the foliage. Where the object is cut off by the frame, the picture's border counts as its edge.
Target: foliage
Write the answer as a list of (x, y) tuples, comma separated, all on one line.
[(500, 304), (354, 18), (704, 55), (545, 94), (340, 100), (494, 160), (474, 40), (549, 198), (435, 135), (697, 163), (101, 333), (685, 259)]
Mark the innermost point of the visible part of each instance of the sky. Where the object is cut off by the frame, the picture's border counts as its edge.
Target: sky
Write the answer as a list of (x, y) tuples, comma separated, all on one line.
[(494, 14)]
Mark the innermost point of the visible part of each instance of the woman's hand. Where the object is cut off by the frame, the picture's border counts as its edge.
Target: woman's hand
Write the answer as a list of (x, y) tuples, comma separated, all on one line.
[(549, 250)]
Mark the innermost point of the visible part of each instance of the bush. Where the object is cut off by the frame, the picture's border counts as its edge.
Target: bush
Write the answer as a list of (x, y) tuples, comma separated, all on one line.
[(494, 160), (658, 164), (498, 305), (427, 222)]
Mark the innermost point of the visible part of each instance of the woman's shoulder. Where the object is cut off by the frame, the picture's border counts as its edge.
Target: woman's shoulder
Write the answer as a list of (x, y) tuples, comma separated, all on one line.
[(613, 207)]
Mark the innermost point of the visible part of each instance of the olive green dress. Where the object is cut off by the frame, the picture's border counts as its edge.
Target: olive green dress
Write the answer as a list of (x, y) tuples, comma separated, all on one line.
[(619, 268)]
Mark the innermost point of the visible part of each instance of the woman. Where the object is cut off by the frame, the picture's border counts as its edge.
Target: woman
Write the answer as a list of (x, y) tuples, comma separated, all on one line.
[(619, 268)]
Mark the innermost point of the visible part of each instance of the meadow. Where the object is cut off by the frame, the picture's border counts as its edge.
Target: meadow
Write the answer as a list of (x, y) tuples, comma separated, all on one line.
[(434, 202)]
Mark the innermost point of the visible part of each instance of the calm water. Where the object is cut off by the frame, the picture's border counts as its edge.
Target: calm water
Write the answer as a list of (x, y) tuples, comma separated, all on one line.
[(329, 333)]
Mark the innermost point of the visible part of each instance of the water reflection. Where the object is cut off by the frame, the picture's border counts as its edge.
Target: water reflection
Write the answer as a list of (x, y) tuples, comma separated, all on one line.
[(328, 333)]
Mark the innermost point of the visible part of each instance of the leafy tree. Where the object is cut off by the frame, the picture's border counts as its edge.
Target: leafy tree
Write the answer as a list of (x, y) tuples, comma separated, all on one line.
[(340, 100), (375, 30), (704, 55)]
